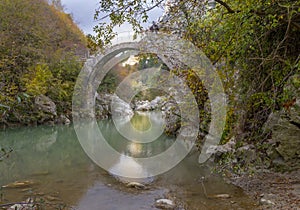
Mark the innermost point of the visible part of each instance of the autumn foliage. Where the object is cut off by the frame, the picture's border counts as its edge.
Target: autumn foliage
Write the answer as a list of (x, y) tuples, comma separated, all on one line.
[(40, 51)]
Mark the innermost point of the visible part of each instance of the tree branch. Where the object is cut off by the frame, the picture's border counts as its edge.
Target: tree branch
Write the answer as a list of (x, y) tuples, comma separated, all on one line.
[(131, 4), (226, 6)]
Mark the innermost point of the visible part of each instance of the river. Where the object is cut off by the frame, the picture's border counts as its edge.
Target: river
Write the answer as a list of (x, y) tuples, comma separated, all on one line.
[(49, 165)]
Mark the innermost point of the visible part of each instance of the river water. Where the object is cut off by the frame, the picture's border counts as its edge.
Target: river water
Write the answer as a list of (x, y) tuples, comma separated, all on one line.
[(49, 165)]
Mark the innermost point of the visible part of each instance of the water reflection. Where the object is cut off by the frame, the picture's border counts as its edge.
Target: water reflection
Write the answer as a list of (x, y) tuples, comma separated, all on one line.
[(137, 148), (140, 122), (52, 159), (132, 168), (142, 127)]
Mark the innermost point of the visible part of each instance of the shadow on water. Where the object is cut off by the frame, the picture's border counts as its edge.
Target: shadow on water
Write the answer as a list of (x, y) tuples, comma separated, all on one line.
[(48, 163)]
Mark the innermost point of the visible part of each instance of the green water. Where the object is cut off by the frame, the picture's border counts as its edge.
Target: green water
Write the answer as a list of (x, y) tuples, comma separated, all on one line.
[(56, 171)]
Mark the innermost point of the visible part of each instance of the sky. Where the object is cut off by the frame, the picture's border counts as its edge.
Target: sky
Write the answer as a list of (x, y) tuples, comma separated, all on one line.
[(83, 13)]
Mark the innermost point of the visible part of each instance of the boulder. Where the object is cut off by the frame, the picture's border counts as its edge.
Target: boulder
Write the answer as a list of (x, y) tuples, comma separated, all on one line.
[(45, 104), (284, 126), (103, 106), (216, 151), (45, 109), (119, 107)]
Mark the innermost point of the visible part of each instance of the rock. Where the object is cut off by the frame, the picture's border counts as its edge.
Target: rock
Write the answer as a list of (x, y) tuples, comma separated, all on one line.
[(143, 106), (171, 114), (246, 153), (27, 205), (119, 107), (103, 98), (285, 128), (286, 146), (46, 140), (164, 204), (157, 102), (218, 150), (221, 196), (45, 104), (21, 207), (62, 119), (136, 185), (52, 198), (19, 184), (264, 201), (104, 106)]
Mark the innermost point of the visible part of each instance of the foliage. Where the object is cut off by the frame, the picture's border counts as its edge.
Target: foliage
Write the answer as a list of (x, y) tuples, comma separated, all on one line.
[(38, 80), (108, 84), (119, 12), (254, 45), (39, 54)]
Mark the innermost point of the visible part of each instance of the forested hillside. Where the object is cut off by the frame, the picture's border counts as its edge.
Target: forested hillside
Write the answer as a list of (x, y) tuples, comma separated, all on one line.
[(41, 49)]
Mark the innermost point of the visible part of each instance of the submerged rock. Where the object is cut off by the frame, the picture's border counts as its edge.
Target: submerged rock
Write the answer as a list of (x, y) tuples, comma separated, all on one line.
[(221, 196), (164, 204), (45, 141), (22, 207), (264, 201), (28, 205), (19, 184), (136, 185)]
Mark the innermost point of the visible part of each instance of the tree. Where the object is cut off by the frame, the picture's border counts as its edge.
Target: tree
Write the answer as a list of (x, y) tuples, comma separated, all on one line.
[(57, 4), (254, 43), (38, 55)]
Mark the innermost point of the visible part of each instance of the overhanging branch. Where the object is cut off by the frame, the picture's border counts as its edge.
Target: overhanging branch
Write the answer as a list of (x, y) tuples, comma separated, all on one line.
[(226, 6)]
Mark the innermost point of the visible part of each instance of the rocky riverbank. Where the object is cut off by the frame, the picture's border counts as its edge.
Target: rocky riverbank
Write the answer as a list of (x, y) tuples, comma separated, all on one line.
[(272, 190)]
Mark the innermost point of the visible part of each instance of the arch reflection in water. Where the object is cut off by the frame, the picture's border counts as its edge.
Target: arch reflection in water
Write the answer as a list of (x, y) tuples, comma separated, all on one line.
[(128, 162), (142, 127)]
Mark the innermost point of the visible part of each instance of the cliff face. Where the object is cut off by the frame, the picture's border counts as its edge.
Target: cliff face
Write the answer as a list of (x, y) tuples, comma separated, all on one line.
[(40, 52)]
